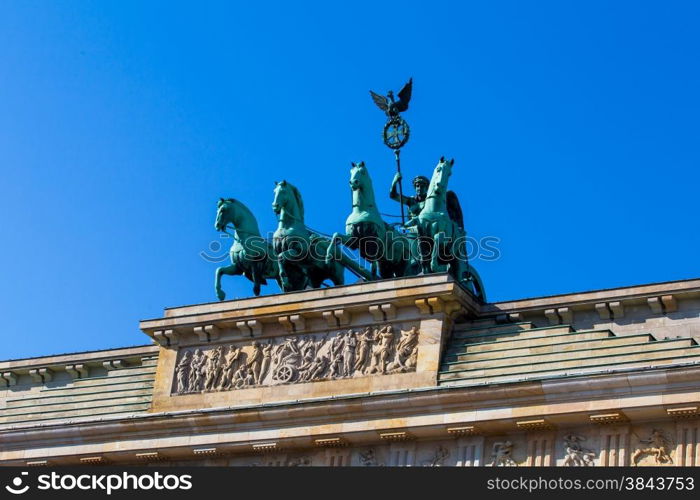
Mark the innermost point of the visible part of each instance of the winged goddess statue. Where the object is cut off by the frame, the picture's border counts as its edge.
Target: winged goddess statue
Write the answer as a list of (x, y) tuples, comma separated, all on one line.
[(389, 105)]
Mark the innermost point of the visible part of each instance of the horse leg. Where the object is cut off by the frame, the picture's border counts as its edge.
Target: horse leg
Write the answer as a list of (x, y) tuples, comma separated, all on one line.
[(232, 270), (426, 250), (283, 275), (331, 251), (635, 456), (292, 279), (258, 276), (438, 243)]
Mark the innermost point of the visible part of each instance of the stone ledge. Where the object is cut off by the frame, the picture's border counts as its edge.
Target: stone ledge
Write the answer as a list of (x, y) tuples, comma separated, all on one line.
[(94, 357), (661, 298), (335, 305)]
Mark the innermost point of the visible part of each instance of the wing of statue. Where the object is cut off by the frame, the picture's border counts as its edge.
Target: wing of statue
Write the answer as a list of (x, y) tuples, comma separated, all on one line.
[(454, 209), (404, 96), (381, 101)]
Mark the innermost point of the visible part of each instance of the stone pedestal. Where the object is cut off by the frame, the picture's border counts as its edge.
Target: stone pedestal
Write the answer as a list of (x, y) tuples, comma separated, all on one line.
[(355, 339)]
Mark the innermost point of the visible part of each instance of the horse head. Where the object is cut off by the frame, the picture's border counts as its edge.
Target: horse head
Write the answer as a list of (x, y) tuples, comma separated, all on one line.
[(224, 215), (441, 176), (358, 175), (288, 198)]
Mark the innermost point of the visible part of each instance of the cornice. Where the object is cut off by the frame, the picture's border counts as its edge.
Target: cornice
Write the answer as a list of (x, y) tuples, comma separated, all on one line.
[(482, 403)]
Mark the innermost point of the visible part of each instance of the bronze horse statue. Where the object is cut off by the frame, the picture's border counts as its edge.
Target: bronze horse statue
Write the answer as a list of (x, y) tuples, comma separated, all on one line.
[(300, 252), (391, 253), (250, 254), (440, 228)]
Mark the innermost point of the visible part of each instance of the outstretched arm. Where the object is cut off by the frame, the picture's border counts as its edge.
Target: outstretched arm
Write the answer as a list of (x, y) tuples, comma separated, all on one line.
[(394, 193)]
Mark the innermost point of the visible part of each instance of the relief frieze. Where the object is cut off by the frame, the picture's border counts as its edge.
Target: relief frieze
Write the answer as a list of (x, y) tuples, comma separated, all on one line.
[(376, 350)]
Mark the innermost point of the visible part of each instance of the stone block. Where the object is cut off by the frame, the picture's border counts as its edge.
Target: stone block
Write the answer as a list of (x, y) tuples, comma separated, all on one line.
[(9, 378), (77, 371)]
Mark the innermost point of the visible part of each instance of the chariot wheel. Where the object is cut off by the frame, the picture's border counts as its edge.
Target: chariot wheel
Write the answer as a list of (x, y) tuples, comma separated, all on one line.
[(474, 283), (285, 373)]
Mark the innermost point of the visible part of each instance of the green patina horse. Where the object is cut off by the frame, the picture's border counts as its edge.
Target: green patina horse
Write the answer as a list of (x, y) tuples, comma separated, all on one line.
[(301, 253), (250, 253), (391, 253), (443, 239)]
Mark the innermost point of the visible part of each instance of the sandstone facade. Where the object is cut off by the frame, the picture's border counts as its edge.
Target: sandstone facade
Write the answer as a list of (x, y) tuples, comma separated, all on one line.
[(399, 372)]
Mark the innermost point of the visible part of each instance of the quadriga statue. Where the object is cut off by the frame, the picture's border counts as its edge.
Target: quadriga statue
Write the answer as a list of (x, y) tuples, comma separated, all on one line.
[(298, 258)]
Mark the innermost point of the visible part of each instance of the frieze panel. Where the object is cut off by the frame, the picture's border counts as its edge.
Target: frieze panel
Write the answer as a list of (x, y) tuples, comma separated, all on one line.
[(653, 450), (575, 454), (377, 350)]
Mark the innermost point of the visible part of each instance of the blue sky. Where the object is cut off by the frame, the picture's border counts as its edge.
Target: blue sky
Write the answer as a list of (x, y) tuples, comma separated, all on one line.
[(574, 128)]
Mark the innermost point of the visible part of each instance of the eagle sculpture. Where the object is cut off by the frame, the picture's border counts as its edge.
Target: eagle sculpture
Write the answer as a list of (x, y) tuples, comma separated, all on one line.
[(391, 107)]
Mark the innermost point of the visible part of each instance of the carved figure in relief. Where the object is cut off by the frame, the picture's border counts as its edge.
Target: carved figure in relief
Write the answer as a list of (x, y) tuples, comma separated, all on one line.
[(408, 341), (501, 454), (349, 347), (239, 379), (308, 354), (576, 455), (364, 347), (306, 344), (658, 446), (411, 362), (299, 462), (267, 359), (383, 350), (337, 366), (288, 355), (230, 367), (220, 367), (196, 370), (212, 368), (182, 372), (369, 459), (255, 361), (303, 370), (335, 353), (288, 359), (277, 353), (438, 459), (318, 369), (406, 350), (297, 359), (249, 378)]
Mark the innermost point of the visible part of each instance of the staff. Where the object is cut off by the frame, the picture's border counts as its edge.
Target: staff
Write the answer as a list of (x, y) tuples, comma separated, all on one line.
[(396, 130)]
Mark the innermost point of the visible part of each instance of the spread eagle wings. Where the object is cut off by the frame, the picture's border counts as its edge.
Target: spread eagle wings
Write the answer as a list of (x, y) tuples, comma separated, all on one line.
[(404, 96), (381, 101)]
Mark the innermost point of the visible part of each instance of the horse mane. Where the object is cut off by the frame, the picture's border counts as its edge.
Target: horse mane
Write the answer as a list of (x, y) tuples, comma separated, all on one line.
[(297, 196), (370, 191), (238, 203)]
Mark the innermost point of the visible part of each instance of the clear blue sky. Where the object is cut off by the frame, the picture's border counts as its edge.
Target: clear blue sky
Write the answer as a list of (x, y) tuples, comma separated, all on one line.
[(574, 128)]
